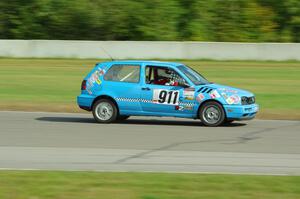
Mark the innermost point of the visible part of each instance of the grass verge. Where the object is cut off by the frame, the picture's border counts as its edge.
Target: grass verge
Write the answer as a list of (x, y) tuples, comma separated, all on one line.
[(53, 84), (90, 185)]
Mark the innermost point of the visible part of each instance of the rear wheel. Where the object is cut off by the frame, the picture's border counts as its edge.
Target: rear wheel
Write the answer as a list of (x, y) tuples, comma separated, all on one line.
[(212, 114), (105, 111)]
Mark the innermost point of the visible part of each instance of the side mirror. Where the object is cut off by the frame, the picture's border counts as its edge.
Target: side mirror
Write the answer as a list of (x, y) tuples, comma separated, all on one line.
[(184, 85)]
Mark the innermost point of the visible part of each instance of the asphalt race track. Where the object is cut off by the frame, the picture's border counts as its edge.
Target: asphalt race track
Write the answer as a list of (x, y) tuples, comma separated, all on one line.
[(54, 141)]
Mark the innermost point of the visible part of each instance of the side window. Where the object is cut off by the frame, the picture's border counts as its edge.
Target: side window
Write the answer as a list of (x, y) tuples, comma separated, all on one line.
[(163, 76), (123, 73)]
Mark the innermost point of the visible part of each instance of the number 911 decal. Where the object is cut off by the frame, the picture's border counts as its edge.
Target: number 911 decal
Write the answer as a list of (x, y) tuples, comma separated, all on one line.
[(162, 96)]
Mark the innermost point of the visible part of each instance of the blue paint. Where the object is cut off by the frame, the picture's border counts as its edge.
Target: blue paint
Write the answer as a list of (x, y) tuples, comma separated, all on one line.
[(138, 98)]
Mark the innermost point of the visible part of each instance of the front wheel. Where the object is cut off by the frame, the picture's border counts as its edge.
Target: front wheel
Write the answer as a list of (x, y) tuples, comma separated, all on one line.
[(105, 111), (212, 114)]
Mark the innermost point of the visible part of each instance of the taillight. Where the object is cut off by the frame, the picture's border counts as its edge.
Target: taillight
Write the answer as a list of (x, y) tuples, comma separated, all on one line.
[(83, 85)]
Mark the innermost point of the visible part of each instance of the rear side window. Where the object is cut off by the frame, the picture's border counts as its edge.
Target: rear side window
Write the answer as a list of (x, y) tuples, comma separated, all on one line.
[(123, 73)]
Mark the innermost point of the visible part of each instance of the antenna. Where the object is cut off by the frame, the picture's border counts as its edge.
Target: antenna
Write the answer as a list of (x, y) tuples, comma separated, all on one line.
[(107, 53)]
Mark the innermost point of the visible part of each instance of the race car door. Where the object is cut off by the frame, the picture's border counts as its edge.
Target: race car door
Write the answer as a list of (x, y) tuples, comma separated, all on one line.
[(163, 92)]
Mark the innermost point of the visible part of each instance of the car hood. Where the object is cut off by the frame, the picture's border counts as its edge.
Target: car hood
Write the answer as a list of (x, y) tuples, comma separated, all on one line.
[(227, 89), (226, 94)]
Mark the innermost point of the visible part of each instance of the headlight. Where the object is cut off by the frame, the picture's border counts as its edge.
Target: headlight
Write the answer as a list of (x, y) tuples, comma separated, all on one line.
[(247, 100), (251, 100)]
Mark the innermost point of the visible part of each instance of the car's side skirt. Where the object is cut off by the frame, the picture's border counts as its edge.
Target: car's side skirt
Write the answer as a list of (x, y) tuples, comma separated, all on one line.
[(143, 113)]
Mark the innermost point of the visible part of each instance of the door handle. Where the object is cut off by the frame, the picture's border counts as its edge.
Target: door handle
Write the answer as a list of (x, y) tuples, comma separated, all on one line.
[(146, 89)]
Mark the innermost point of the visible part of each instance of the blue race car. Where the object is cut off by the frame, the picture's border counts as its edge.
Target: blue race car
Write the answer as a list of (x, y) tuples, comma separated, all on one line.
[(118, 89)]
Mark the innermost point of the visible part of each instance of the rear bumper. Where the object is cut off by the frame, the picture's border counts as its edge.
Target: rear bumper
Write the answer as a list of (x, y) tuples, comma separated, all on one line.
[(241, 112), (85, 102)]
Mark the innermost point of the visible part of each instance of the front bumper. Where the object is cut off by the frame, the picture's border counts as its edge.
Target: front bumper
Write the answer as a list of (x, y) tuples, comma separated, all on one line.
[(241, 112), (85, 101)]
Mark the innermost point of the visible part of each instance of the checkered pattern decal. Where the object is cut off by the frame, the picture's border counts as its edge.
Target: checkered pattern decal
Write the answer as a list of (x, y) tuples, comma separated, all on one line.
[(127, 99), (146, 101), (120, 99)]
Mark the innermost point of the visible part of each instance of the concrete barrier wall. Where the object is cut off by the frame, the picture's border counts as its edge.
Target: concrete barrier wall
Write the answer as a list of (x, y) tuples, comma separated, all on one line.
[(149, 50)]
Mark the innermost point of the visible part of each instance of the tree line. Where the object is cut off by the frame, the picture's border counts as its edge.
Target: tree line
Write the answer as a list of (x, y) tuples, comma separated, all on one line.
[(163, 20)]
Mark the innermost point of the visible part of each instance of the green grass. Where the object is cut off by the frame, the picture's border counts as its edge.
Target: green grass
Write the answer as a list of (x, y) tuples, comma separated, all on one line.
[(95, 185), (53, 84)]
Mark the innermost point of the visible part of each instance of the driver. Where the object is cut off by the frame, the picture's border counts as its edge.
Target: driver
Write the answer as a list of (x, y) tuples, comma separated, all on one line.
[(170, 80)]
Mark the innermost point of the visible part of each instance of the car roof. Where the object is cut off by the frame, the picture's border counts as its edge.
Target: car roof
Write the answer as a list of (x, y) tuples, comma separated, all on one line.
[(147, 62)]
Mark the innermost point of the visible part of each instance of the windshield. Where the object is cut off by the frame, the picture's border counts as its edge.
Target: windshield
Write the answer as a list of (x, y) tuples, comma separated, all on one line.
[(194, 76)]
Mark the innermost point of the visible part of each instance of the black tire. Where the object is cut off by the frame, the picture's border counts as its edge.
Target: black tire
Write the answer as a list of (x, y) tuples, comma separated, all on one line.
[(212, 114), (111, 107), (122, 117)]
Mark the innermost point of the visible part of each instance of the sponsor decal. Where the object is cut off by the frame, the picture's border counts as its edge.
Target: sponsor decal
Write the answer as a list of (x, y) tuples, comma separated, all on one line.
[(228, 90), (91, 79), (234, 99), (182, 108), (214, 94), (100, 72), (98, 81), (229, 100), (90, 82), (189, 93), (190, 108), (200, 97), (89, 91), (179, 108), (224, 95), (94, 78)]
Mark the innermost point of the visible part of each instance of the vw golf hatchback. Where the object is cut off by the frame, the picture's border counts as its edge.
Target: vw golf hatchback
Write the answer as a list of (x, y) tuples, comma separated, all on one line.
[(118, 89)]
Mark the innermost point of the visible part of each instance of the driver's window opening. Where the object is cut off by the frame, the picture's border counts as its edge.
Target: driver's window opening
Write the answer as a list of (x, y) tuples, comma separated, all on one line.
[(163, 76)]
